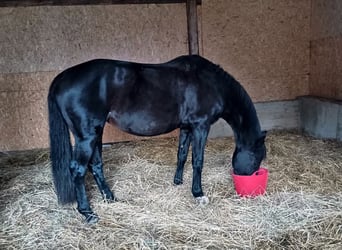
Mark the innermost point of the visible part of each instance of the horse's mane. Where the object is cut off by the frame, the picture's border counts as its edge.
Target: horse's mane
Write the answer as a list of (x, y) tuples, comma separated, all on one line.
[(240, 102), (197, 63), (238, 93)]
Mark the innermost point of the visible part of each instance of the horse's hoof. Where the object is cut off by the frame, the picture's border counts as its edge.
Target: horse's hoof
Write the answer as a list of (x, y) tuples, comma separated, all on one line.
[(92, 219), (178, 181), (108, 196), (202, 200), (111, 200)]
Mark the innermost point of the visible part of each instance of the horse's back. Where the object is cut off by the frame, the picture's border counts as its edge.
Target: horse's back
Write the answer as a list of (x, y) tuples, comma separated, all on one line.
[(98, 68), (162, 96)]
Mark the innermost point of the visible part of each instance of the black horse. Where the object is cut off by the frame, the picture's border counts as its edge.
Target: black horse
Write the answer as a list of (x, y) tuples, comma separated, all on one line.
[(189, 93)]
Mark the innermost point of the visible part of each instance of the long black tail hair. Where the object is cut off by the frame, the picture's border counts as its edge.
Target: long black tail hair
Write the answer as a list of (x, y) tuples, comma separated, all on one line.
[(60, 153)]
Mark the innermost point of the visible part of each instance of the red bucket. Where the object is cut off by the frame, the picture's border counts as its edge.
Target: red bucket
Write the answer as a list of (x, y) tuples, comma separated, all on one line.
[(251, 185)]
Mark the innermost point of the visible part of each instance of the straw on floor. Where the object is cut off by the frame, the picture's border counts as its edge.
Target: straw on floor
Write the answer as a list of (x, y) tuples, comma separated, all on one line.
[(301, 210)]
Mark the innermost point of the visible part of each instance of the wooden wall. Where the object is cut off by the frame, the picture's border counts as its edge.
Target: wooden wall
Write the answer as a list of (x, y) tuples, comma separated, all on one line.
[(265, 44), (38, 42), (326, 49)]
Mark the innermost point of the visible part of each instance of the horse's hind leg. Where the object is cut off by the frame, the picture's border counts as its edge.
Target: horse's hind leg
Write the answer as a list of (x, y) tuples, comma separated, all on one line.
[(199, 139), (96, 168), (183, 149), (84, 148)]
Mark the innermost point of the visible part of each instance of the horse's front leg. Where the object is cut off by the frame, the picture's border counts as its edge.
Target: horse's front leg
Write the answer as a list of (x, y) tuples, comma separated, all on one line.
[(199, 138), (182, 154)]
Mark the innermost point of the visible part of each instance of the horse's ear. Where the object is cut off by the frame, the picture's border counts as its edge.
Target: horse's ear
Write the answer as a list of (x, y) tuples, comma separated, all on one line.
[(261, 140)]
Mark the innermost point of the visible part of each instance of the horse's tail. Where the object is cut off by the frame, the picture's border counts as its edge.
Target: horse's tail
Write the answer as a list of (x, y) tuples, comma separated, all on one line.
[(60, 153)]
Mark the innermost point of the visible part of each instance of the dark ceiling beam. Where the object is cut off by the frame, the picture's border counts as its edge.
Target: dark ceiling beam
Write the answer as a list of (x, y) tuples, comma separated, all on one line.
[(27, 3)]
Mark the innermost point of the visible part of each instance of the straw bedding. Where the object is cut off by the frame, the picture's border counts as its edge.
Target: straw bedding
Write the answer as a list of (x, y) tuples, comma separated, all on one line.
[(301, 210)]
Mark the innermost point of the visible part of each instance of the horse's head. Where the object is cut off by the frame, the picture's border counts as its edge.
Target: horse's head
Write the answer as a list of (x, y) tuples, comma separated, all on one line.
[(247, 158)]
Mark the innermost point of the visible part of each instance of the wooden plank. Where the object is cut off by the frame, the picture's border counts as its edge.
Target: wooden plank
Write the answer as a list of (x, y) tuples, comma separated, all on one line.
[(191, 10), (191, 7), (26, 3)]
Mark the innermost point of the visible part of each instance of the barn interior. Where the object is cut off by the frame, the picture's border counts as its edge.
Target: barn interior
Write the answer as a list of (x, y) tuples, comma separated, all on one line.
[(286, 54)]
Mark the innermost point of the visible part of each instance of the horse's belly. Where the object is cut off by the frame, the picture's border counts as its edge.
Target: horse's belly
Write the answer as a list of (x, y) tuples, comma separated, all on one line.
[(141, 123)]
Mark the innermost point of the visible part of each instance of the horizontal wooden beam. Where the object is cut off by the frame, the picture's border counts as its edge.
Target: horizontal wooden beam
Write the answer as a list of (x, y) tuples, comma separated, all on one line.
[(26, 3)]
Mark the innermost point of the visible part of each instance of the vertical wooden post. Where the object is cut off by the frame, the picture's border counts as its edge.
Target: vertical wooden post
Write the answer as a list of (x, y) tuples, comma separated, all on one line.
[(191, 12)]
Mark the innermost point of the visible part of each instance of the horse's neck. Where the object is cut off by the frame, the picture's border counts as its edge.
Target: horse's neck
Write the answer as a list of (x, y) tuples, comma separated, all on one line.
[(243, 117)]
